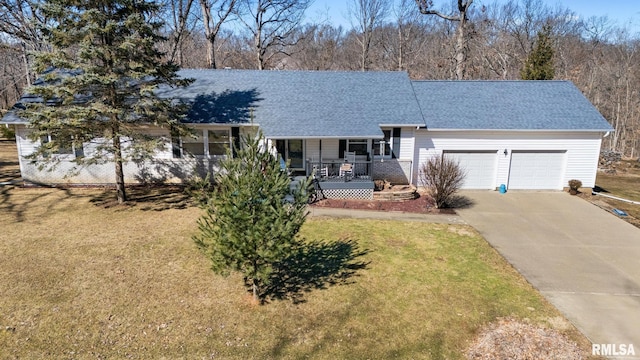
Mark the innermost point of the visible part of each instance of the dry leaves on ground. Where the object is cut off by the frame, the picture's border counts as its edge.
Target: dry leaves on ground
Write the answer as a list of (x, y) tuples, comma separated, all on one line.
[(515, 340)]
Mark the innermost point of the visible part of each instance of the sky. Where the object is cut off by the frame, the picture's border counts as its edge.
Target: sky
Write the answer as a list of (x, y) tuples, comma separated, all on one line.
[(622, 12)]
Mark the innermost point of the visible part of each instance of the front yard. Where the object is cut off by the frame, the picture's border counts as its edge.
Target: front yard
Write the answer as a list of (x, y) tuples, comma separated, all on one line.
[(81, 280)]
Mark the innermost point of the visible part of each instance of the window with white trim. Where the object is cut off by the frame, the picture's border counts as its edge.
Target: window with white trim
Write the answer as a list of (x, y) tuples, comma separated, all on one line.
[(219, 142), (207, 143), (78, 151), (382, 148)]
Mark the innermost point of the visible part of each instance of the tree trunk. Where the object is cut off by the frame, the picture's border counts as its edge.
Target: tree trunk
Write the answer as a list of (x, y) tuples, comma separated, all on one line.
[(120, 190), (461, 48), (212, 52), (208, 32), (255, 290)]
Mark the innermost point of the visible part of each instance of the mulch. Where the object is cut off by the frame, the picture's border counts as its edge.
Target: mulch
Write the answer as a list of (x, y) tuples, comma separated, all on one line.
[(421, 205)]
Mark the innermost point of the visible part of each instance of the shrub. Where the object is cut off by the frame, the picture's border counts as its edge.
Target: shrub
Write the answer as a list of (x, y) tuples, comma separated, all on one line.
[(443, 177), (7, 132), (575, 184), (200, 189)]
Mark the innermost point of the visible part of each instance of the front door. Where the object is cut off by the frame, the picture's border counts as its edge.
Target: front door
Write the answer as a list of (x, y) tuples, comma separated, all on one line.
[(292, 151)]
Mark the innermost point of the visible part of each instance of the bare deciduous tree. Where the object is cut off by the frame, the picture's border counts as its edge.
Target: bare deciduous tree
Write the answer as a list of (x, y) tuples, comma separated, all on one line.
[(461, 36), (214, 14), (272, 24), (181, 19), (366, 16)]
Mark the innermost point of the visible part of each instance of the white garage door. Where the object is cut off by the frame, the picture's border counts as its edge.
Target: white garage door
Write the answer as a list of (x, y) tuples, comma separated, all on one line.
[(536, 170), (479, 166)]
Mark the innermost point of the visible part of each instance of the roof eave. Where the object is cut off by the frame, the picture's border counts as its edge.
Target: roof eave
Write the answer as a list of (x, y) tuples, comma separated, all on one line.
[(321, 137), (522, 130)]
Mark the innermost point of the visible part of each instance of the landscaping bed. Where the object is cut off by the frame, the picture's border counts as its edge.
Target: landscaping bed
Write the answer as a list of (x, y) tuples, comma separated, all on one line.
[(422, 204)]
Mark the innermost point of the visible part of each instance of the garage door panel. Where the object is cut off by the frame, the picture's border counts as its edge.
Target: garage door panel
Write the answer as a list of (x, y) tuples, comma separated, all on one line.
[(536, 170), (479, 168)]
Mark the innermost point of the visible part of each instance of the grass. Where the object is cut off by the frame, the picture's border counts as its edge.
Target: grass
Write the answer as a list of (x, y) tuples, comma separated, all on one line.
[(83, 281), (623, 184), (81, 278)]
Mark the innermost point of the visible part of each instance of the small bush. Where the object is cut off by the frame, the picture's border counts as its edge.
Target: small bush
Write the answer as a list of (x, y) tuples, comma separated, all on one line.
[(575, 184), (200, 189), (7, 132), (443, 177)]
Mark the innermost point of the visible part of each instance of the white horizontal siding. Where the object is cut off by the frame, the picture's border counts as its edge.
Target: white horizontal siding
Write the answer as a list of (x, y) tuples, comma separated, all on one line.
[(25, 145), (582, 149), (312, 149), (407, 142), (330, 149), (163, 168)]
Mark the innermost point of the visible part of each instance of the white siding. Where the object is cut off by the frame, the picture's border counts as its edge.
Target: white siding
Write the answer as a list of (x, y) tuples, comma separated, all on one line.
[(330, 148), (582, 149), (312, 149), (407, 142), (163, 168)]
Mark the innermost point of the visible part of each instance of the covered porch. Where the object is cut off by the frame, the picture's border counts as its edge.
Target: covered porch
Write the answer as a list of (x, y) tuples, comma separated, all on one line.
[(343, 167)]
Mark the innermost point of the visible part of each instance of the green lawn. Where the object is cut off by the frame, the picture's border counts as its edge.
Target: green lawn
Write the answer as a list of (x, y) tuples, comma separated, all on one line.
[(82, 280)]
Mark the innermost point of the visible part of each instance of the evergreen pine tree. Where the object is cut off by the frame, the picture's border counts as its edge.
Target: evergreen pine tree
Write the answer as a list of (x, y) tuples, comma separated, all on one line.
[(539, 64), (250, 225), (105, 72)]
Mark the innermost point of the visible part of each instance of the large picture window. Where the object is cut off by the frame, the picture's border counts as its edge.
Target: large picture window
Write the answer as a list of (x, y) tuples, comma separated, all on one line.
[(207, 143)]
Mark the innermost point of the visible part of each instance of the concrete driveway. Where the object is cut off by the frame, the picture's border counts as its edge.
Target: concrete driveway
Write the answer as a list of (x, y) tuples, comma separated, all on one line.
[(583, 259)]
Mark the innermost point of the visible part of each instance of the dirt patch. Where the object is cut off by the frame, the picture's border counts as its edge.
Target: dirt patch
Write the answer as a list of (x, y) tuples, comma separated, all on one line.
[(513, 339), (423, 204), (609, 205)]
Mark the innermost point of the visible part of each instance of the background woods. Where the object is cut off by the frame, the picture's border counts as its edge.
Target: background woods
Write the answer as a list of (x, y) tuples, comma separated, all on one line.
[(598, 55)]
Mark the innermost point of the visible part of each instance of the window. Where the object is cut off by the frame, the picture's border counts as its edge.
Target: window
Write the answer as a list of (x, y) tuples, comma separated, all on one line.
[(359, 146), (382, 147), (76, 150), (207, 143), (219, 142), (193, 146), (389, 147)]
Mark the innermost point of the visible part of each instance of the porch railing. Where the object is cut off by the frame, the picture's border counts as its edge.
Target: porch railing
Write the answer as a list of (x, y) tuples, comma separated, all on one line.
[(362, 169)]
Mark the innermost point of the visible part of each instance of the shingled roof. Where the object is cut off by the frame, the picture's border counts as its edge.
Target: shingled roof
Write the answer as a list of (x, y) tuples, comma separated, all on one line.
[(302, 104), (507, 105), (327, 104)]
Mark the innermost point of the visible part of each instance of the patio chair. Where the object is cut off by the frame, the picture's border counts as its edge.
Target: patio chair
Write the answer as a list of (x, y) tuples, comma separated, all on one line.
[(320, 172), (349, 167), (346, 170)]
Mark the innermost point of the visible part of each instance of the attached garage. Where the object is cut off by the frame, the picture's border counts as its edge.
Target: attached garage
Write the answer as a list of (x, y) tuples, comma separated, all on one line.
[(533, 135), (479, 167), (539, 170)]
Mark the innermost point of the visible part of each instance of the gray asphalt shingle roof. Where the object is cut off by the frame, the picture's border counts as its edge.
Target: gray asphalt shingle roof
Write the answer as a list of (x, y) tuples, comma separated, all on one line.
[(314, 104), (302, 103), (507, 105)]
